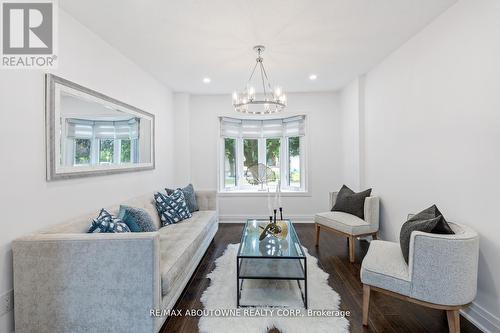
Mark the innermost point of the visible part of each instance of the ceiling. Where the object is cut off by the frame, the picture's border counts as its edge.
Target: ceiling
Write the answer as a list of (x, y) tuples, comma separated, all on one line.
[(182, 41), (80, 108)]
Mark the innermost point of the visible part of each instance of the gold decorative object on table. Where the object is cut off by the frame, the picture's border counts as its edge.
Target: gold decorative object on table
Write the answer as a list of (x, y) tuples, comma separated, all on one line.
[(278, 229)]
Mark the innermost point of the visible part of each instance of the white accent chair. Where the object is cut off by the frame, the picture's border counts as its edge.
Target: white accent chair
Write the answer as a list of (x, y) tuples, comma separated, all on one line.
[(349, 225), (441, 273)]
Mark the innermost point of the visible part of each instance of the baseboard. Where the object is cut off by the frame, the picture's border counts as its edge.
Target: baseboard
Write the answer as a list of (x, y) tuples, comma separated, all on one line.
[(481, 318), (243, 218)]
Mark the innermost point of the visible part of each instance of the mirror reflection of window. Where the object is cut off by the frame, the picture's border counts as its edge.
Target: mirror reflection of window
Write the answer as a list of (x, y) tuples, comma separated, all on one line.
[(82, 151), (125, 153), (102, 142), (90, 134), (106, 150)]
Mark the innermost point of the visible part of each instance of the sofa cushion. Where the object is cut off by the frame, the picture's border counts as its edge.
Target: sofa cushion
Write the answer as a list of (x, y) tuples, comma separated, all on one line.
[(189, 195), (347, 223), (171, 208), (385, 267), (179, 243), (351, 202)]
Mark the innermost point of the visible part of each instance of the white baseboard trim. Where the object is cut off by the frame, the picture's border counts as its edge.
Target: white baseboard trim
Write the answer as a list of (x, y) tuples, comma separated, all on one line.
[(481, 318), (243, 218)]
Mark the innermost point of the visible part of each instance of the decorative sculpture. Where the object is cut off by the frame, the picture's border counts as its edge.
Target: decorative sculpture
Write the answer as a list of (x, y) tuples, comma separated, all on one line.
[(259, 174), (278, 229)]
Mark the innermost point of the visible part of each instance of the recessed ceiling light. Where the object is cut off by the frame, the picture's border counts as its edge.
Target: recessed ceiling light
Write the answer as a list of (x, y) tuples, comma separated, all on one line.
[(313, 77), (206, 80)]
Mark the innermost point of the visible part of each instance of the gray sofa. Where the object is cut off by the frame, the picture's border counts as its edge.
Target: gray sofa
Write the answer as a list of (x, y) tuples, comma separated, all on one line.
[(66, 280)]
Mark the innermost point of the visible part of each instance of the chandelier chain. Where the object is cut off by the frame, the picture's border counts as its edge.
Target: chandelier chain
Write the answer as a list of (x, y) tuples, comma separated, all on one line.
[(267, 78), (262, 78), (251, 75)]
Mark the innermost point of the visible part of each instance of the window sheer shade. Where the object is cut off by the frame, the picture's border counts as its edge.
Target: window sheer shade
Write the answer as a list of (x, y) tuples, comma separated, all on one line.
[(267, 128), (127, 129), (80, 129), (84, 129)]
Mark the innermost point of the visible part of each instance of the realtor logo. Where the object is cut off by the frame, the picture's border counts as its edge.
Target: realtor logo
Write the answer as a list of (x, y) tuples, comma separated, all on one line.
[(28, 32)]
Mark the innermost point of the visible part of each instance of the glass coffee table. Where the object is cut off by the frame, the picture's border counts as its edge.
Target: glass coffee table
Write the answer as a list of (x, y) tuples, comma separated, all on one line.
[(270, 259)]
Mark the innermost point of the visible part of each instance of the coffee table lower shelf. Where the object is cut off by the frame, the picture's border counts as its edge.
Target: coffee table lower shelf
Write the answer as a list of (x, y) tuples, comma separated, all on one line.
[(269, 268)]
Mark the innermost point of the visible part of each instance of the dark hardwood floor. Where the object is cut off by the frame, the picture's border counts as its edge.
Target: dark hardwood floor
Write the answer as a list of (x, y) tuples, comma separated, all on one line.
[(387, 314)]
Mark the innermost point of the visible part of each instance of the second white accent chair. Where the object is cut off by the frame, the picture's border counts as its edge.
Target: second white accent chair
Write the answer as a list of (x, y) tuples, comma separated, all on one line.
[(349, 225), (441, 272)]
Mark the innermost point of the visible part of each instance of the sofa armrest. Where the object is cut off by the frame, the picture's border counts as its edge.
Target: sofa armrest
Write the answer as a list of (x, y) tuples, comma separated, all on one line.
[(207, 200), (443, 268), (372, 211), (93, 282)]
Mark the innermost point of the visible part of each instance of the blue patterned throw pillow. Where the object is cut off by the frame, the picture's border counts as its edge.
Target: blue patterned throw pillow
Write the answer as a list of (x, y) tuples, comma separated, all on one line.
[(106, 222), (171, 208), (189, 195)]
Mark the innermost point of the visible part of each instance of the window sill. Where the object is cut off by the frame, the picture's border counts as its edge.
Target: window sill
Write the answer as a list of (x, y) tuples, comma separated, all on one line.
[(263, 194)]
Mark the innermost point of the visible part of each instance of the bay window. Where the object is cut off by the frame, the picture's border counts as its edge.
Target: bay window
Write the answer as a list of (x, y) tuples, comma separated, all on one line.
[(229, 172), (276, 143), (294, 164)]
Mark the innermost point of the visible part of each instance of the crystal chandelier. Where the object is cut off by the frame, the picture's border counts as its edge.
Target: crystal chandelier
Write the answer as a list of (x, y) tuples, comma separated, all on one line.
[(269, 101)]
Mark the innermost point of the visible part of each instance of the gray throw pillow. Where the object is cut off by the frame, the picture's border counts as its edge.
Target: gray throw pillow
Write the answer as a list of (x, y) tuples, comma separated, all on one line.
[(419, 224), (189, 196), (442, 227), (137, 216), (351, 202)]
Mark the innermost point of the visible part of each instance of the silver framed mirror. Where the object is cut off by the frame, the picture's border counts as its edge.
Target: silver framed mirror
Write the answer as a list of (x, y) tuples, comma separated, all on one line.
[(91, 134)]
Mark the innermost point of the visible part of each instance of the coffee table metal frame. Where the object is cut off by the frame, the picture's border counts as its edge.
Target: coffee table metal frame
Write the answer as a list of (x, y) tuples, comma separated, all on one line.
[(242, 259)]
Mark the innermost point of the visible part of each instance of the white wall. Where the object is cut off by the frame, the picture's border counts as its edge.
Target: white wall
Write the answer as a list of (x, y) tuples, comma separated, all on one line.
[(432, 134), (324, 151), (182, 152), (350, 104), (28, 202)]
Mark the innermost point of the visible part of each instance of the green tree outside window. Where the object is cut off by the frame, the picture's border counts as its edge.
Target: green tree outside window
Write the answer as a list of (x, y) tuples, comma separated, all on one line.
[(82, 151), (106, 151), (125, 150)]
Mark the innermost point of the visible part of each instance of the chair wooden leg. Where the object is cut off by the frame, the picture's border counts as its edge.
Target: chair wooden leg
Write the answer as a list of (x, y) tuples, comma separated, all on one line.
[(366, 303), (317, 234), (453, 321), (351, 249)]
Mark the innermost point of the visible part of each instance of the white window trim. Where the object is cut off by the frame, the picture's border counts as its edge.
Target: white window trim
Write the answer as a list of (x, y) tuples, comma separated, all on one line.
[(305, 190)]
